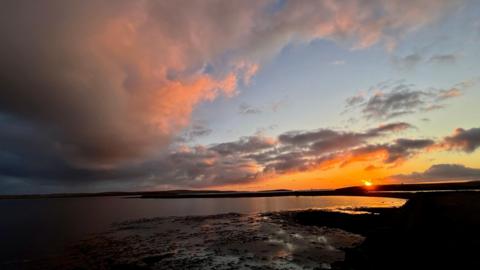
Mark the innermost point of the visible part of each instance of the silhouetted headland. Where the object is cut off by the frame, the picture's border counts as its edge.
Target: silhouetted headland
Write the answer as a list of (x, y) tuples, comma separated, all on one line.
[(438, 230)]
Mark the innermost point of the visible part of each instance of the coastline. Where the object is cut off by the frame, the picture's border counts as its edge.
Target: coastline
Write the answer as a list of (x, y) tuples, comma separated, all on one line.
[(437, 229), (405, 191)]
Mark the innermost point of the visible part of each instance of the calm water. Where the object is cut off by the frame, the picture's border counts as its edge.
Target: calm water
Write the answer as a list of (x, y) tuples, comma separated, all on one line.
[(42, 226)]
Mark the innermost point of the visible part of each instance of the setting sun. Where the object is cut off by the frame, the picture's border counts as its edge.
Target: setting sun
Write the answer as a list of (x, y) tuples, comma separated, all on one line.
[(367, 183)]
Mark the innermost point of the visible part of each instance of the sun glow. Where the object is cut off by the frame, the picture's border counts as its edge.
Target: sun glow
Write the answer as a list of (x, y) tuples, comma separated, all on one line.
[(367, 183)]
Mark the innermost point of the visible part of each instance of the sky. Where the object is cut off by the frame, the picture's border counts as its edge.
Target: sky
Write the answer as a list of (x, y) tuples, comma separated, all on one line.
[(237, 95)]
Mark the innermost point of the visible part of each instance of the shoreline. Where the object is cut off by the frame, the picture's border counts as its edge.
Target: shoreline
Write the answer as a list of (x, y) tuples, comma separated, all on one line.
[(434, 230), (404, 191)]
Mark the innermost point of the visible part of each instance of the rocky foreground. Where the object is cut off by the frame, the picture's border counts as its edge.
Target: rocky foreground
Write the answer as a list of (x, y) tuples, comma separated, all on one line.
[(228, 241)]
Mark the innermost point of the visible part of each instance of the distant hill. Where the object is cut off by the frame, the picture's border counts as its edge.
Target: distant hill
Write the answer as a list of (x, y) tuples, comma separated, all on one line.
[(355, 190)]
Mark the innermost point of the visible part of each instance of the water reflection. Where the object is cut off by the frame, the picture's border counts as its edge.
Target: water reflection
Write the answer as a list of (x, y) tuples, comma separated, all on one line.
[(30, 224), (226, 241)]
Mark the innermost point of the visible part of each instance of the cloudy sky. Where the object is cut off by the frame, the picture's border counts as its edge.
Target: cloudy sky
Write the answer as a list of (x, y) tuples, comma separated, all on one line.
[(247, 95)]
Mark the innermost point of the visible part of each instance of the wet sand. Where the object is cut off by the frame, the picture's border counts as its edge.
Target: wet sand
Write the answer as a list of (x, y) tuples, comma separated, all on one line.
[(227, 241)]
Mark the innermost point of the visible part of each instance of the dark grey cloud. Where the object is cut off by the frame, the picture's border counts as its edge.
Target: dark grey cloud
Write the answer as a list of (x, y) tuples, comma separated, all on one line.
[(403, 149), (346, 140), (242, 161), (467, 140), (244, 145), (199, 131), (393, 104), (32, 158), (27, 157), (246, 109), (306, 137), (337, 142), (323, 138), (398, 99), (202, 166), (355, 100), (450, 58), (304, 150), (391, 127), (392, 153), (424, 54), (409, 61), (441, 172), (193, 132), (289, 161)]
